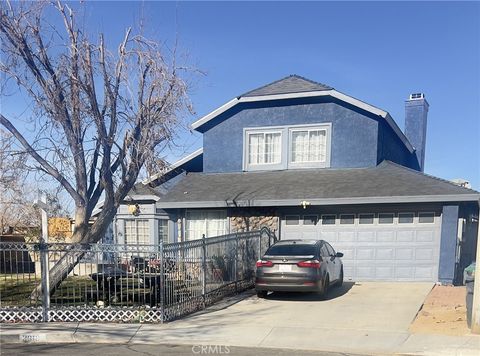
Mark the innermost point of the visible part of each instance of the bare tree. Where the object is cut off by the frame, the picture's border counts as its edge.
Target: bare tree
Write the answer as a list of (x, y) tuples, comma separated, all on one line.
[(16, 210), (98, 116)]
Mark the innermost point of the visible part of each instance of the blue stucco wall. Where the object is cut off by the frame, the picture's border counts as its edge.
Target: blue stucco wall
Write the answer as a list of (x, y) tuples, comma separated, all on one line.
[(391, 148), (354, 134), (448, 244), (416, 127)]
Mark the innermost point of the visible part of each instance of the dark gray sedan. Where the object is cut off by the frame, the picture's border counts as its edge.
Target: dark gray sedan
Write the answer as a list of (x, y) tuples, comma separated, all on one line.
[(299, 266)]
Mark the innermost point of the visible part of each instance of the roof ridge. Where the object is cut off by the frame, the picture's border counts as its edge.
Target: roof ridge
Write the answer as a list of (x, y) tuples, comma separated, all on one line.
[(279, 80), (386, 161), (310, 80)]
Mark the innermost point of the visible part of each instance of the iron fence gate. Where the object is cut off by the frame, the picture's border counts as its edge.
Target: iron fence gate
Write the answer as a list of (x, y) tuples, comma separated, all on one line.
[(126, 283)]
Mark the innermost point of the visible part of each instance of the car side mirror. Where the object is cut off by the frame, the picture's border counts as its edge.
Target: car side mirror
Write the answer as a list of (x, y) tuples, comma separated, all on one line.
[(339, 254)]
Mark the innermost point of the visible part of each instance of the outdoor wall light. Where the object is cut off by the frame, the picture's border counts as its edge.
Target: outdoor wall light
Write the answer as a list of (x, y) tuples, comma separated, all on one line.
[(134, 209), (305, 203)]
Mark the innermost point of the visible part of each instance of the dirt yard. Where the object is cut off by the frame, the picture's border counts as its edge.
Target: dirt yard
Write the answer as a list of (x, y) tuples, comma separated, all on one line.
[(444, 312)]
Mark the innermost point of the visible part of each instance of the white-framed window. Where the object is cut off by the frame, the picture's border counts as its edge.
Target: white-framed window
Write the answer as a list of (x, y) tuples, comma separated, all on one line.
[(208, 222), (426, 218), (292, 219), (385, 218), (137, 232), (264, 148), (310, 220), (366, 219), (282, 147), (308, 146), (405, 218), (347, 219), (163, 231), (329, 219)]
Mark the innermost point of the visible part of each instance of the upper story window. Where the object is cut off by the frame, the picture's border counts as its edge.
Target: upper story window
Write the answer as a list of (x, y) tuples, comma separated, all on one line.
[(264, 148), (308, 146), (283, 147)]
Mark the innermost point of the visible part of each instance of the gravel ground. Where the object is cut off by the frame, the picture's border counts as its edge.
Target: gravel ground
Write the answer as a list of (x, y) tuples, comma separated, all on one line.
[(443, 312)]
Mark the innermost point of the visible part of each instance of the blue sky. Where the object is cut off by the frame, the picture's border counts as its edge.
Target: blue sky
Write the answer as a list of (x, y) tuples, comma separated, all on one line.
[(379, 52)]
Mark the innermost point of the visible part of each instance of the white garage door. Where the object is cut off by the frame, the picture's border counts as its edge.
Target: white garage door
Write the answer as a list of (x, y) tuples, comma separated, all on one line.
[(379, 246)]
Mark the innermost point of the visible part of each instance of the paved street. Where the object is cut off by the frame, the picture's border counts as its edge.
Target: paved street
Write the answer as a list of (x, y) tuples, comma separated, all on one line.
[(149, 350)]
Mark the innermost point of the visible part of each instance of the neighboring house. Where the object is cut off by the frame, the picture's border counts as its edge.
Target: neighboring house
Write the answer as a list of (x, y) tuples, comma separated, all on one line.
[(311, 162)]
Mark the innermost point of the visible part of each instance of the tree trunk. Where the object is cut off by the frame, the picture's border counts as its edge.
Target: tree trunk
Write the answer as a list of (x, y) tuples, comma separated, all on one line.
[(82, 238)]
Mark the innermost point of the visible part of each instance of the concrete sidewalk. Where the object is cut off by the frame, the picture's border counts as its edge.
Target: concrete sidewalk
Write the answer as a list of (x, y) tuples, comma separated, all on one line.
[(247, 321)]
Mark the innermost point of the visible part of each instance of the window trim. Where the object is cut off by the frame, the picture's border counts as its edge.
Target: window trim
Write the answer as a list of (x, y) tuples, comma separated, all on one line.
[(335, 222), (136, 221), (406, 212), (188, 211), (285, 144), (247, 166), (298, 220), (373, 218), (167, 228), (389, 223), (327, 127), (340, 218), (316, 220), (426, 212)]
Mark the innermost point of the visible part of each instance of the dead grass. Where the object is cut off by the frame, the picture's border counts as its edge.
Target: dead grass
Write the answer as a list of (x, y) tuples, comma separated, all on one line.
[(443, 312)]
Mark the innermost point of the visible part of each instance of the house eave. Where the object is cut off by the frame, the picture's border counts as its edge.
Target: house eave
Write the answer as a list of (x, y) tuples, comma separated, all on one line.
[(321, 202), (174, 166)]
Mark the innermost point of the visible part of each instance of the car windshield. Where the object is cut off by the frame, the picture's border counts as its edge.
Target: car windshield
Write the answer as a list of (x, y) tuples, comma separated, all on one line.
[(291, 250)]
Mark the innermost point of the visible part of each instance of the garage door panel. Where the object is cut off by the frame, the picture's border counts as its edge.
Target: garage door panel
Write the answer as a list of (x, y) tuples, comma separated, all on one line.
[(346, 236), (424, 254), (309, 235), (366, 236), (365, 272), (404, 253), (385, 236), (401, 252), (424, 272), (330, 236), (384, 272), (387, 253), (425, 236), (365, 254), (404, 272), (406, 236)]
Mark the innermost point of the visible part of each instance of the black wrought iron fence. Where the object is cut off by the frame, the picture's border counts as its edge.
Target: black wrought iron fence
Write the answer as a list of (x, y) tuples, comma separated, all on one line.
[(144, 283)]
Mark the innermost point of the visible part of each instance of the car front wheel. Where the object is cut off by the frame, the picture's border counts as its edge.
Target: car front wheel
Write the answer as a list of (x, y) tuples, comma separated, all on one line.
[(340, 279)]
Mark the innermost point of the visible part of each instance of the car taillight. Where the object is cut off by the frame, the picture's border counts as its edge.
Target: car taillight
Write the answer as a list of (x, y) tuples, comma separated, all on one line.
[(261, 263), (309, 264)]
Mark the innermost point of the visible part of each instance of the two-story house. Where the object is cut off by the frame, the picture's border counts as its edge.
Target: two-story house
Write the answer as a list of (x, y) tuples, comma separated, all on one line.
[(311, 162)]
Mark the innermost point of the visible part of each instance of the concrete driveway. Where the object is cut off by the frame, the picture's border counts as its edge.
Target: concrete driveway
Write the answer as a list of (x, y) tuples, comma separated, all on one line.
[(377, 313)]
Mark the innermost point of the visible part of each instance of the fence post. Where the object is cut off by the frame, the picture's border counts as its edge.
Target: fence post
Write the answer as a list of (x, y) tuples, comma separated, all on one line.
[(236, 262), (163, 286), (260, 244), (45, 280), (204, 270)]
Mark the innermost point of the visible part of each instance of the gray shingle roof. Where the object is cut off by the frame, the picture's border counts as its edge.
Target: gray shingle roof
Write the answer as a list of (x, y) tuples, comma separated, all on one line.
[(320, 186), (291, 84)]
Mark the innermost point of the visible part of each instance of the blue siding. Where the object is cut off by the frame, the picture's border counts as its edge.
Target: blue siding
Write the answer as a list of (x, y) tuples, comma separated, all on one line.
[(391, 148), (416, 127), (354, 134), (448, 244)]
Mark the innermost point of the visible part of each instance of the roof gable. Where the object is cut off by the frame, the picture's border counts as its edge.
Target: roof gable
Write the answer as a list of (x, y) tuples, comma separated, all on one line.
[(295, 87), (291, 84)]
